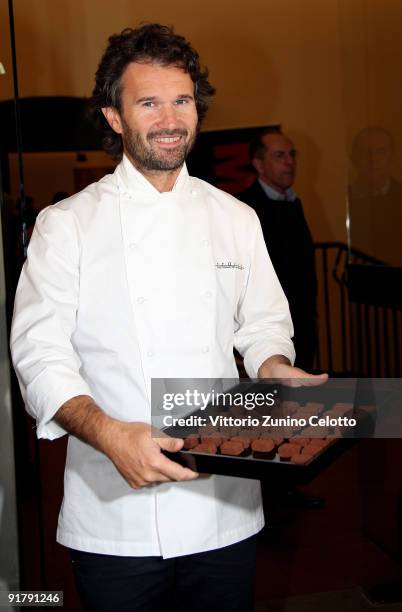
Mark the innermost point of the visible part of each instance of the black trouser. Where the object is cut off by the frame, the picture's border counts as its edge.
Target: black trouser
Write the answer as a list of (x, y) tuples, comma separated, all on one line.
[(221, 580)]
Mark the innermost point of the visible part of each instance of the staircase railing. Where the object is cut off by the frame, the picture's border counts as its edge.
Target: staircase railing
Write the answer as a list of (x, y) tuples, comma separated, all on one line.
[(354, 338)]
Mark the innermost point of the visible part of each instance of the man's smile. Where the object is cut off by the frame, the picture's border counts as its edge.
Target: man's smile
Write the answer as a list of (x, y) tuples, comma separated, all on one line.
[(168, 140)]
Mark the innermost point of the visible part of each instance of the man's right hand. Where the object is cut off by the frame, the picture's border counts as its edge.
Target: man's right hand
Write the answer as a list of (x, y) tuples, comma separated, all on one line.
[(137, 454), (134, 448)]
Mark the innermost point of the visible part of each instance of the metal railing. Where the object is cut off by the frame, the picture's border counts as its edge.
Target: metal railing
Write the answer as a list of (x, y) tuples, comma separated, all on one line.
[(354, 338)]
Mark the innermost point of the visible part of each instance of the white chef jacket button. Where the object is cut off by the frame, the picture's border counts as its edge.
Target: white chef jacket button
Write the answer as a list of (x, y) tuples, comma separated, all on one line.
[(140, 300), (150, 353), (133, 245), (208, 294), (205, 243), (193, 192), (205, 349)]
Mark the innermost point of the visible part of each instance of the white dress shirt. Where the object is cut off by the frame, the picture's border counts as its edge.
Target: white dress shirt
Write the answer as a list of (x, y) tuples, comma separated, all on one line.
[(272, 194), (123, 283)]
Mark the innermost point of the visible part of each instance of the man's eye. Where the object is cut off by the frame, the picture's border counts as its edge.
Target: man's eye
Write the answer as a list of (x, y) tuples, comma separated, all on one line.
[(181, 101), (148, 104)]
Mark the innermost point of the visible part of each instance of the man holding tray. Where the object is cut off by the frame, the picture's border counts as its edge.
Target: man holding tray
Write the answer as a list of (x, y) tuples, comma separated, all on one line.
[(124, 283)]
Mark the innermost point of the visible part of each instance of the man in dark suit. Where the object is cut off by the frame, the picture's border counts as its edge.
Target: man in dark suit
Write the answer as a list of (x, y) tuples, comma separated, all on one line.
[(286, 233), (291, 249)]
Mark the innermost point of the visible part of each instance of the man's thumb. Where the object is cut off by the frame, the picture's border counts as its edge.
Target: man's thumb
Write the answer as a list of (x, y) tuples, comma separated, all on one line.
[(170, 444)]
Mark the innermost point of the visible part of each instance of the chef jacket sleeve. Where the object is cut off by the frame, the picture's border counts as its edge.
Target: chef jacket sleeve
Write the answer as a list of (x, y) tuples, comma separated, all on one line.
[(263, 325), (44, 319)]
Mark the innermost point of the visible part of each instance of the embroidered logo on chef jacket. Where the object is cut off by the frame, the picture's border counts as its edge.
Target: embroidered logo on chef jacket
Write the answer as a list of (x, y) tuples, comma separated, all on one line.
[(229, 265)]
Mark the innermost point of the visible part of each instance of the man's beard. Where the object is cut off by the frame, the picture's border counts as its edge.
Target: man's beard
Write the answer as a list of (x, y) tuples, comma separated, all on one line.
[(146, 157)]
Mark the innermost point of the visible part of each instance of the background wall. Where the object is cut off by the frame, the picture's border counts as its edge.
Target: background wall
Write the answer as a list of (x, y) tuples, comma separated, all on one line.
[(292, 61)]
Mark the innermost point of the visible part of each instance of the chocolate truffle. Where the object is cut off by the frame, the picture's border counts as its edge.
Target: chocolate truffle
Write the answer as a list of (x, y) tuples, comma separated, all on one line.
[(287, 450), (263, 449), (300, 459), (206, 447), (234, 448), (190, 441)]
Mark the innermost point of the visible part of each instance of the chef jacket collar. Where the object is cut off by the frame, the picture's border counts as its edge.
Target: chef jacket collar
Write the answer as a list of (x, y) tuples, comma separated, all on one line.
[(131, 179)]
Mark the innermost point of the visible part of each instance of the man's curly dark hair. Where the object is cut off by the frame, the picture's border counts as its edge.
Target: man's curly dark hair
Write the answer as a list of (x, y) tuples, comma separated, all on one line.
[(149, 43)]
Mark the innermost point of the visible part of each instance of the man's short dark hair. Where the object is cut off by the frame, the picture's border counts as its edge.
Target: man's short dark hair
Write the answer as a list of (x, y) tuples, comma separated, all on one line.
[(149, 43), (256, 146)]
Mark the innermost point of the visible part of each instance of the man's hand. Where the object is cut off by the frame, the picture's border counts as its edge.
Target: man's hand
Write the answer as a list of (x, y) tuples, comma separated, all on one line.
[(130, 446), (138, 456), (279, 368)]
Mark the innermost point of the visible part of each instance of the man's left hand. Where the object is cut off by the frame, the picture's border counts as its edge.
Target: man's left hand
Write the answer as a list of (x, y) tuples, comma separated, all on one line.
[(279, 368)]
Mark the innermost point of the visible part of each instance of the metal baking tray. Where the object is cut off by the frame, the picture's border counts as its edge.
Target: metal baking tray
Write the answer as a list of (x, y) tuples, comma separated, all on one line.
[(261, 469), (250, 467)]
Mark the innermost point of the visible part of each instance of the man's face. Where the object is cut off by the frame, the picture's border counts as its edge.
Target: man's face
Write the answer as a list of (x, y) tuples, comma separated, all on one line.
[(158, 117), (372, 156), (277, 166)]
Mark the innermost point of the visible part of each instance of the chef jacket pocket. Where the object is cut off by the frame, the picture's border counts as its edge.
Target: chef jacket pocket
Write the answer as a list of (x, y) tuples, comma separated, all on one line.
[(230, 279)]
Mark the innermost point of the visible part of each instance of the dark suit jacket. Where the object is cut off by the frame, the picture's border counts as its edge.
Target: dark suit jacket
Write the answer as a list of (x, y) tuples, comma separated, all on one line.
[(291, 249)]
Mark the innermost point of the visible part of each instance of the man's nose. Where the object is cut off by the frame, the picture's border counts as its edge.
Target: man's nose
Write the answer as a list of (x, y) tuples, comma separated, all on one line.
[(289, 160), (168, 117)]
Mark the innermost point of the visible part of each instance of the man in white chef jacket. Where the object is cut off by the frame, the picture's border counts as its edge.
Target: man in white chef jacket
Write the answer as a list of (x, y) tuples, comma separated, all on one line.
[(121, 285)]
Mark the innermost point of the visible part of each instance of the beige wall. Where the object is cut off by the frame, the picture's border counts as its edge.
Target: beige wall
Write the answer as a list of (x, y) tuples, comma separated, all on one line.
[(271, 60), (371, 50)]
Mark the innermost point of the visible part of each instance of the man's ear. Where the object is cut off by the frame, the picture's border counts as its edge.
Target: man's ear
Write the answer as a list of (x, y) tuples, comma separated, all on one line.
[(258, 165), (113, 118)]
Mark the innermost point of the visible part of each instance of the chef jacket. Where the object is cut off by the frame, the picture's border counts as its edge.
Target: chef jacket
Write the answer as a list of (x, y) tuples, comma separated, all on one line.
[(123, 283)]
